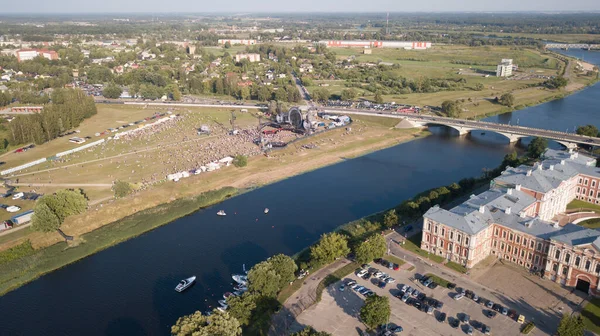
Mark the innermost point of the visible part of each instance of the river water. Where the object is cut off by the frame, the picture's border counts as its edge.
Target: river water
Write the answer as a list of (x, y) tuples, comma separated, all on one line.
[(128, 289)]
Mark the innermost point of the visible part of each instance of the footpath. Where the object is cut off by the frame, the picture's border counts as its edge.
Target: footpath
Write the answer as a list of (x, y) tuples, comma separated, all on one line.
[(302, 299)]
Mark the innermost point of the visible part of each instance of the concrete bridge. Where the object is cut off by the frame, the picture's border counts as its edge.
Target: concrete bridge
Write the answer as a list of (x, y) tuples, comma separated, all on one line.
[(512, 132), (567, 46)]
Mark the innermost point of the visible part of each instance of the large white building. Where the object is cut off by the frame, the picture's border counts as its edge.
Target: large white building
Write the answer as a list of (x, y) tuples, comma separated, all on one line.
[(409, 45), (236, 41), (505, 68), (29, 54), (515, 220), (249, 57)]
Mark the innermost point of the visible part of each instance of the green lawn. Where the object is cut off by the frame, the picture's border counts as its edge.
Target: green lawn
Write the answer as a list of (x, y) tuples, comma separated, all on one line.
[(591, 316), (577, 204), (413, 244), (457, 267), (395, 260), (440, 281), (593, 223)]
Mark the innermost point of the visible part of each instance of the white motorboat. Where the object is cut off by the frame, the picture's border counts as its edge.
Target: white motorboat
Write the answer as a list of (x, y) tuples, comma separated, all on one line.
[(226, 295), (221, 213), (241, 279), (223, 303), (184, 284), (221, 309), (238, 293), (266, 210)]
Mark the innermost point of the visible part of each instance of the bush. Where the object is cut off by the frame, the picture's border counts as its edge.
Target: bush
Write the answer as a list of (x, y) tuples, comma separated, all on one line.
[(13, 253), (240, 161), (122, 189), (528, 328)]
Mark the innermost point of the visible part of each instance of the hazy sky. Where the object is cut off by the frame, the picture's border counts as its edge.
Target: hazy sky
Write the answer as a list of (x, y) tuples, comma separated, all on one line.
[(240, 6)]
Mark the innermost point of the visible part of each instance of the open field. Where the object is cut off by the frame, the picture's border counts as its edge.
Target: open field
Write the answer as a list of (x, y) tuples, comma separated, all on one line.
[(591, 316), (141, 159), (469, 64)]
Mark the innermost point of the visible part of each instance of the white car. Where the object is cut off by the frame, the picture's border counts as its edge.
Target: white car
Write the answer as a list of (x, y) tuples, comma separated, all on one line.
[(458, 296), (361, 273), (379, 275), (13, 208), (390, 280), (18, 195)]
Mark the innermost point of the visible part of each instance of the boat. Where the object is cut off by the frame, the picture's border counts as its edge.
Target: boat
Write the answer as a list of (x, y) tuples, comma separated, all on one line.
[(184, 284), (240, 279), (223, 303), (238, 293), (221, 309), (266, 210), (221, 213), (240, 287), (226, 295)]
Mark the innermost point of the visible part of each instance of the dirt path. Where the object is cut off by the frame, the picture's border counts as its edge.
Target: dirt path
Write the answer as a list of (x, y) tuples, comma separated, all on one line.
[(302, 299)]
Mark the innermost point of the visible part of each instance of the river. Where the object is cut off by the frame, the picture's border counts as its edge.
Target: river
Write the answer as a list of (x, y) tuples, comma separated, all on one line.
[(128, 289)]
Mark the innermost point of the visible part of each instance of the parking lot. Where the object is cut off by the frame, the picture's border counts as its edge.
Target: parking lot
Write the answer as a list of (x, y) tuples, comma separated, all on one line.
[(338, 311)]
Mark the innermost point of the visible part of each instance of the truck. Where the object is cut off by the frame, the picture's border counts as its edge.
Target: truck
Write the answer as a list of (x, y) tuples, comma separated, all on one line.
[(22, 218)]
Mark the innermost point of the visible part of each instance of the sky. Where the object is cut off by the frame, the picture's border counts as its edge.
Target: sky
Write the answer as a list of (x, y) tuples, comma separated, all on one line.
[(242, 6)]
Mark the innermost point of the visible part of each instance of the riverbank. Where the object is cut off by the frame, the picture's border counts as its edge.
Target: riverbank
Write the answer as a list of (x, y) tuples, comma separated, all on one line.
[(18, 272), (152, 208)]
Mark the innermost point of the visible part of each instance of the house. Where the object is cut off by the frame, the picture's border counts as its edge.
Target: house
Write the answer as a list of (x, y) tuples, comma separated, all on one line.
[(281, 75), (29, 54), (269, 75), (250, 57), (245, 83)]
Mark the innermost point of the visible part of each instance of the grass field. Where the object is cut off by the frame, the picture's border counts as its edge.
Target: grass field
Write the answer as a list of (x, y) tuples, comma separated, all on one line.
[(441, 62), (577, 204), (394, 259), (591, 316), (440, 281)]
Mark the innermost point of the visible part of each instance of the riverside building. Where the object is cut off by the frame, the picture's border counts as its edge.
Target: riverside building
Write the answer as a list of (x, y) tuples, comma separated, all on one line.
[(515, 220)]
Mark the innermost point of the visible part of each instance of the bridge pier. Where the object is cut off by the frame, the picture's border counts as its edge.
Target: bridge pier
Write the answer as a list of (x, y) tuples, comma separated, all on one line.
[(512, 138), (569, 145)]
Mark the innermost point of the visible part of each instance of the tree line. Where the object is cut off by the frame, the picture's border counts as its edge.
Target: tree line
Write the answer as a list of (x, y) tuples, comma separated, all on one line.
[(68, 109)]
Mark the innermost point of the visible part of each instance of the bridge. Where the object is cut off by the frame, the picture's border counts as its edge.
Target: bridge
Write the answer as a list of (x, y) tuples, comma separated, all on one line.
[(567, 46), (512, 132)]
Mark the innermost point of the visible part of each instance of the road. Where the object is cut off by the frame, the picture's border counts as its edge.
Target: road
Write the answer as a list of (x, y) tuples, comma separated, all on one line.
[(467, 125), (68, 185)]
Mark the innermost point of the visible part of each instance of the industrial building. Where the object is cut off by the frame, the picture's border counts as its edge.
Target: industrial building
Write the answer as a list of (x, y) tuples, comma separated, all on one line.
[(515, 221), (408, 45), (29, 54), (505, 68)]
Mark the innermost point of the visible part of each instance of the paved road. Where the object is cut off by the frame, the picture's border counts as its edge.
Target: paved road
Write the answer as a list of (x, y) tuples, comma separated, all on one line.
[(301, 300), (467, 125), (68, 185)]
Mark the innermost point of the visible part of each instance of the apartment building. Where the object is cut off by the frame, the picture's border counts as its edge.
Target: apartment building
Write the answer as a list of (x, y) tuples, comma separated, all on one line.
[(513, 220)]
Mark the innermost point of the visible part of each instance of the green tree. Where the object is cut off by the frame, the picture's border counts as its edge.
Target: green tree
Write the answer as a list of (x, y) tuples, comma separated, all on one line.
[(451, 108), (571, 326), (507, 99), (321, 94), (376, 311), (44, 219), (348, 94), (378, 98), (390, 218), (240, 161), (65, 203), (556, 83), (263, 280), (310, 331), (227, 45), (264, 93), (479, 87), (122, 189), (241, 307), (330, 246), (536, 147), (285, 267), (112, 91), (374, 247), (217, 324), (588, 130)]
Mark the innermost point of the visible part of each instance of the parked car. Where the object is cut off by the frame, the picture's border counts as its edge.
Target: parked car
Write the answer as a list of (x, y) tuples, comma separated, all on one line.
[(361, 273), (461, 291), (397, 329), (458, 296), (490, 304), (13, 208), (405, 297), (421, 296), (465, 318), (454, 323), (367, 276), (381, 284), (521, 319), (433, 285), (504, 311), (451, 285), (396, 267), (364, 291), (490, 313), (439, 305), (469, 330), (18, 195), (342, 287), (417, 304), (402, 288), (390, 280), (409, 290), (497, 307), (415, 293), (485, 329), (429, 310), (441, 317), (513, 314)]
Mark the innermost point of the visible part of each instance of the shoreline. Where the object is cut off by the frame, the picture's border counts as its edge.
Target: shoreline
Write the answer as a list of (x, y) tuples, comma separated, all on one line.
[(53, 257)]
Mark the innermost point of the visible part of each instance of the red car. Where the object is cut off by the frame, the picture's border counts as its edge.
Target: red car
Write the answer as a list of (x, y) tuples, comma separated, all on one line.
[(396, 267)]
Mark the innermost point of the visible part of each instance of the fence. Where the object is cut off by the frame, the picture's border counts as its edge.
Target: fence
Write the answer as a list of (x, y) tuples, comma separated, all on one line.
[(71, 151), (27, 165)]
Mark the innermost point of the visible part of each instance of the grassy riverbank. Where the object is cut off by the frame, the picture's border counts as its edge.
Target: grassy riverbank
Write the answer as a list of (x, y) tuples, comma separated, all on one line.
[(18, 272)]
